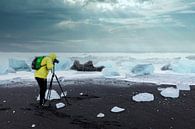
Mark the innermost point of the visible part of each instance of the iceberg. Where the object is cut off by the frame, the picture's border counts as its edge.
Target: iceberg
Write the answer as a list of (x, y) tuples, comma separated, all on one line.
[(143, 97), (170, 92), (143, 69), (19, 65)]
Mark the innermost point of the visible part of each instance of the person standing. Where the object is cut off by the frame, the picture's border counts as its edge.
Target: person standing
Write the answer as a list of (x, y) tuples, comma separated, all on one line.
[(41, 75)]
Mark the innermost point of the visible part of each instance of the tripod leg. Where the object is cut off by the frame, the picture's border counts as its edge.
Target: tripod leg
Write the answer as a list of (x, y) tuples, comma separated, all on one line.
[(50, 87), (62, 90)]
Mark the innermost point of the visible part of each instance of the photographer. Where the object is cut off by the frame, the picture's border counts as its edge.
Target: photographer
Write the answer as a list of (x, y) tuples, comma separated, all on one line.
[(47, 64)]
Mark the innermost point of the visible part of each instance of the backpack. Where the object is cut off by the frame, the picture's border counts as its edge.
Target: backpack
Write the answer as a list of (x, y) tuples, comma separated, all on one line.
[(36, 63)]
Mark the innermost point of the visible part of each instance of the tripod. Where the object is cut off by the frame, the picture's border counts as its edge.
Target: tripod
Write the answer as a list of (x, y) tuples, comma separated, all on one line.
[(50, 86)]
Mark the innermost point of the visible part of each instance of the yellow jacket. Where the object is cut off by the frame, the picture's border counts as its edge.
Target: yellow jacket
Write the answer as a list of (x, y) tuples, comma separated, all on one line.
[(47, 64)]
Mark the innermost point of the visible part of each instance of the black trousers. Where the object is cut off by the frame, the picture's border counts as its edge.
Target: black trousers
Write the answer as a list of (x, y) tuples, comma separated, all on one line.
[(43, 87)]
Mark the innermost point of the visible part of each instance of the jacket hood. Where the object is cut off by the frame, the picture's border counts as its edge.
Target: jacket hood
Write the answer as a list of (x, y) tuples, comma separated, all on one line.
[(52, 56)]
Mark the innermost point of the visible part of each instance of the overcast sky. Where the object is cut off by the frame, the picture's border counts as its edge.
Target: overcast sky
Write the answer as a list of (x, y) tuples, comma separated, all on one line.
[(97, 25)]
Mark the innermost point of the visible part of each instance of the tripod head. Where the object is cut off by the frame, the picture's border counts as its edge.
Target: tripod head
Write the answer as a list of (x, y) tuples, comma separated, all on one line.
[(56, 61)]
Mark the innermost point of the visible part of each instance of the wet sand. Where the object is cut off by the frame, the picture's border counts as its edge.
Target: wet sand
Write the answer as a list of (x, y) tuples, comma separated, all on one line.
[(20, 110)]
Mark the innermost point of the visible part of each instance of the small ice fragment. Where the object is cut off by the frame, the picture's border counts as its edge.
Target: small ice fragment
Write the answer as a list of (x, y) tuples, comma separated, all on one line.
[(170, 92), (4, 101), (60, 105), (33, 125), (81, 94), (100, 115), (143, 97), (14, 112), (117, 109), (62, 94)]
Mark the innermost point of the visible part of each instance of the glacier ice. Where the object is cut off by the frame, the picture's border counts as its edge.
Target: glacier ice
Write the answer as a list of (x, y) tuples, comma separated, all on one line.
[(4, 69), (143, 69), (143, 97), (19, 65), (107, 64), (64, 64), (182, 66), (110, 69), (110, 72), (170, 92)]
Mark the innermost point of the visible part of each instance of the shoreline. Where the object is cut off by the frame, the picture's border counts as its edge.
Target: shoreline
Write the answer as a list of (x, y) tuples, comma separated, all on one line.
[(19, 110)]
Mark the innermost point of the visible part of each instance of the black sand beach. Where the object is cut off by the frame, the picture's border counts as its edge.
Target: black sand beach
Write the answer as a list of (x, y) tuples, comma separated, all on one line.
[(20, 110)]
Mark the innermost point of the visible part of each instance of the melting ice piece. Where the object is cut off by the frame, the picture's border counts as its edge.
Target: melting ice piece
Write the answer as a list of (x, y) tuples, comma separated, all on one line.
[(143, 97), (60, 105), (33, 125), (117, 109), (65, 93), (81, 94), (170, 92), (54, 95), (100, 115), (183, 86)]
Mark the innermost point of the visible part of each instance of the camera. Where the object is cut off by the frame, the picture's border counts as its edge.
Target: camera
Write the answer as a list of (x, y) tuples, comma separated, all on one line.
[(56, 61)]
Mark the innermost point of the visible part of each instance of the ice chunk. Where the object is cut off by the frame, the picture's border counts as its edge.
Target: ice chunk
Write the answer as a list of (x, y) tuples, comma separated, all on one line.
[(54, 95), (107, 64), (100, 115), (183, 66), (143, 69), (4, 69), (33, 125), (62, 94), (183, 86), (117, 109), (110, 72), (60, 105), (143, 97), (170, 92), (19, 65), (64, 64)]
